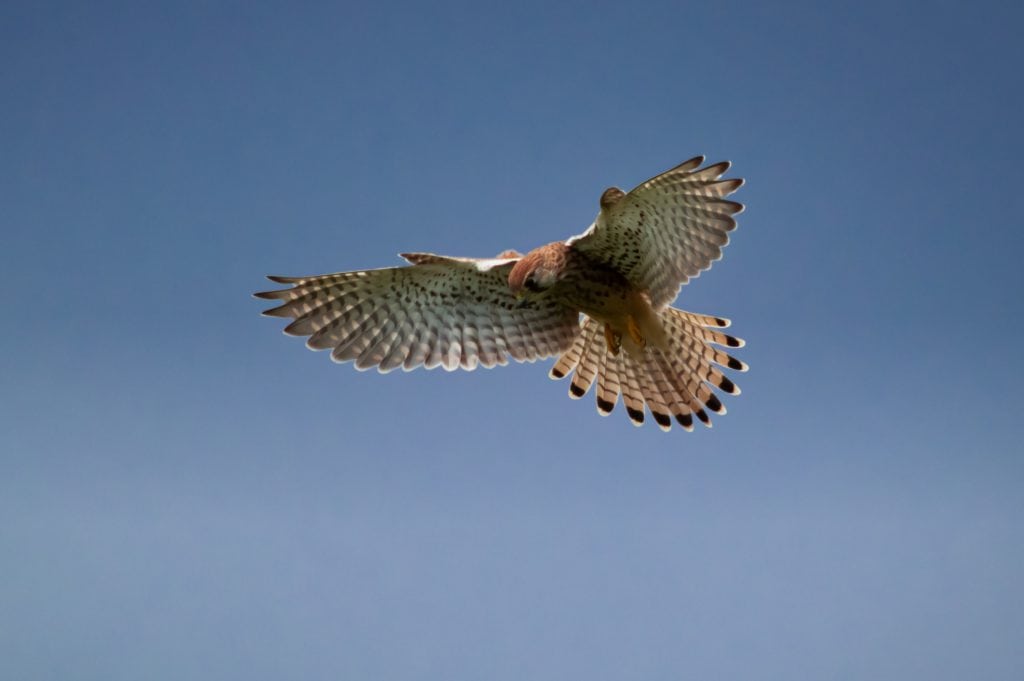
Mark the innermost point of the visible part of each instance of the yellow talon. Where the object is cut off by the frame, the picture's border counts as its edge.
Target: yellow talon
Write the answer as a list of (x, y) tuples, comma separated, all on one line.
[(613, 339), (634, 332)]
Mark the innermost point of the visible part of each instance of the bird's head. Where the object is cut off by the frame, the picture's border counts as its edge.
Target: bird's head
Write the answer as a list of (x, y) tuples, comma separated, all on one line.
[(538, 270)]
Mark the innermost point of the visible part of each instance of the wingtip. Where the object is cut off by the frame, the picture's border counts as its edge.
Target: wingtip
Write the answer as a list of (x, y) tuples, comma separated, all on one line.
[(691, 163), (686, 421), (663, 420), (718, 168), (734, 342), (277, 312), (737, 365), (265, 295)]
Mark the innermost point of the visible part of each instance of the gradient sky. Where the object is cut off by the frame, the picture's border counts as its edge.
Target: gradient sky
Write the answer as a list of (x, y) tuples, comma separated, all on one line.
[(187, 493)]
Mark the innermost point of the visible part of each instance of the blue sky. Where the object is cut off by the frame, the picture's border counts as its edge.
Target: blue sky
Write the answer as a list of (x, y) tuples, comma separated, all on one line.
[(187, 493)]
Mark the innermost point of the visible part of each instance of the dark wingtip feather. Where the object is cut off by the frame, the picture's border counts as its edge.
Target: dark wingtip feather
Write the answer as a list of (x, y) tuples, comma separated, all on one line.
[(557, 373), (719, 168), (727, 385), (576, 390), (663, 420), (685, 420), (730, 185), (637, 415), (277, 279), (604, 406), (721, 322), (713, 403), (734, 363), (702, 415), (292, 331), (732, 341), (734, 208), (277, 312)]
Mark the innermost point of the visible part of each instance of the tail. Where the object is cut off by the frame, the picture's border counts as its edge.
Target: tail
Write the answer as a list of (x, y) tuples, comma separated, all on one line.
[(673, 384)]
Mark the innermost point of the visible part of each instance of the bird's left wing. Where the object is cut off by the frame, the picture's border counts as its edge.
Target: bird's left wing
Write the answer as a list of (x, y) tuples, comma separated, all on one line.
[(666, 230), (452, 312)]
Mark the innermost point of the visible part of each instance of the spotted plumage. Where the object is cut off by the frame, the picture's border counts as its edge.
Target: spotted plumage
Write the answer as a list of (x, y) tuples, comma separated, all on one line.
[(599, 301)]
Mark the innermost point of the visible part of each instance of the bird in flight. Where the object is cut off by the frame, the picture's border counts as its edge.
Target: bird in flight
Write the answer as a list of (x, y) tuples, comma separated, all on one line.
[(598, 301)]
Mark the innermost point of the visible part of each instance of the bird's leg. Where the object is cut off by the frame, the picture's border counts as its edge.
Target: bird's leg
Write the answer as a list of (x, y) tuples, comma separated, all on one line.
[(634, 332), (614, 340)]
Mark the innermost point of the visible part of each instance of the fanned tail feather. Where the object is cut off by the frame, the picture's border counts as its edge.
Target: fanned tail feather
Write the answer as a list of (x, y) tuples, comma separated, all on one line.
[(674, 384)]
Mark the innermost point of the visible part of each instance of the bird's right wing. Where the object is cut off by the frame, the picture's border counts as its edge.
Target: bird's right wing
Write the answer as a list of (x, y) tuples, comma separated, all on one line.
[(452, 312), (665, 231)]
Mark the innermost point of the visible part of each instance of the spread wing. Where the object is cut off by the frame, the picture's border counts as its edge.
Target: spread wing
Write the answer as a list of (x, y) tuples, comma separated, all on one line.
[(666, 230), (453, 312)]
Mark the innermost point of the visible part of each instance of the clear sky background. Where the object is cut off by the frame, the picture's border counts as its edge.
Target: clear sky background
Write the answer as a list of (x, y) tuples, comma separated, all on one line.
[(187, 493)]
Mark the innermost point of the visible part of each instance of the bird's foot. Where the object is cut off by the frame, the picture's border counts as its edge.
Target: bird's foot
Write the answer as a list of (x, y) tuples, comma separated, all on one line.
[(614, 340), (634, 333)]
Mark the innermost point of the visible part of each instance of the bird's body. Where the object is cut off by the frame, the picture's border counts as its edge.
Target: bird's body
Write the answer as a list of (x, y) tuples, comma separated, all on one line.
[(619, 275), (600, 292)]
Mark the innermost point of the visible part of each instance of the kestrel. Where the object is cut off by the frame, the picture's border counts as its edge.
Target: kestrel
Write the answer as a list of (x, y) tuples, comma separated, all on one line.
[(599, 300)]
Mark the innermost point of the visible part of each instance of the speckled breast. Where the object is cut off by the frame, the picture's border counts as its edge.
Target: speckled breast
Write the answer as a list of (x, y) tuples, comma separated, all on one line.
[(593, 287)]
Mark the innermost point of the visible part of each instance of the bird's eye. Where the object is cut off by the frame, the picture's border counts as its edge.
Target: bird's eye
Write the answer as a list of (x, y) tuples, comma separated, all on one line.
[(531, 285)]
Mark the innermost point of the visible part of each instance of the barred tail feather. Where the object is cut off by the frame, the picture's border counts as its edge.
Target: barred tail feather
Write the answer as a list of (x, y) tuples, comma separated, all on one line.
[(673, 384)]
